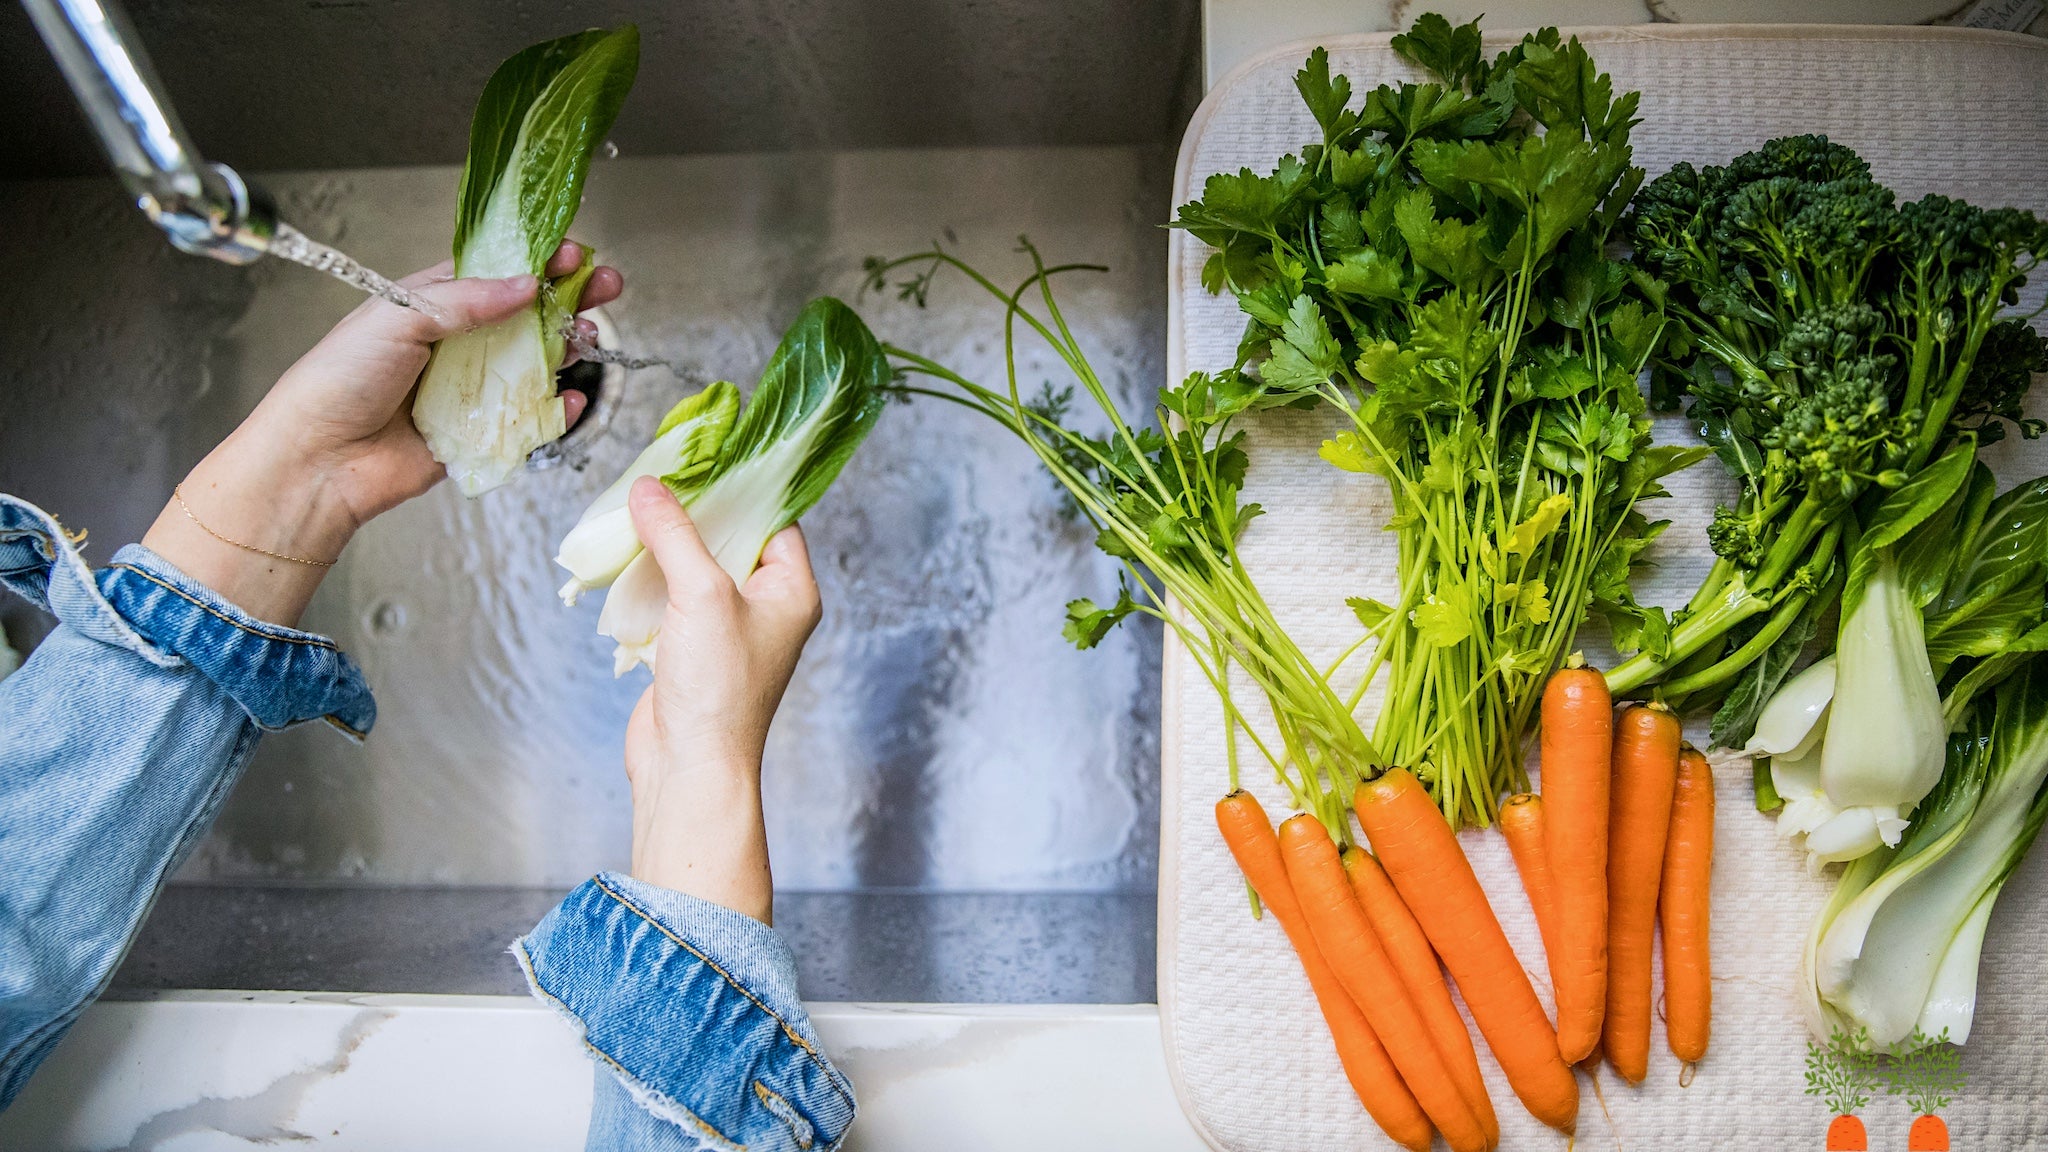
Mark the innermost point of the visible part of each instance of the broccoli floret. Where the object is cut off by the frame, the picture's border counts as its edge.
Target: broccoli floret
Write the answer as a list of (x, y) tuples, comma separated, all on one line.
[(1843, 221), (1993, 394), (1665, 225), (1734, 538), (1843, 433), (1812, 158), (1819, 339)]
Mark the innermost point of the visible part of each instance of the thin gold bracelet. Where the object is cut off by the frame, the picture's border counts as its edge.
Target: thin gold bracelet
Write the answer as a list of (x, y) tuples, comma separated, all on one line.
[(179, 496)]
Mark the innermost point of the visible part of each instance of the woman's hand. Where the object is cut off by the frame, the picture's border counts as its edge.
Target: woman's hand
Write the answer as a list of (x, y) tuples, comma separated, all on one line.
[(694, 745), (332, 445)]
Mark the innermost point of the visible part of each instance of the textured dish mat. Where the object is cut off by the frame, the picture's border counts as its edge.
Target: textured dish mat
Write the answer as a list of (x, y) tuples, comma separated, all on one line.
[(1934, 110)]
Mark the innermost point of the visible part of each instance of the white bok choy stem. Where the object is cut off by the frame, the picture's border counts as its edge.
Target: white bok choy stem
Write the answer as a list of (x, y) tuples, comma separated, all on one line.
[(1876, 704), (819, 396), (685, 447), (487, 398), (1897, 952)]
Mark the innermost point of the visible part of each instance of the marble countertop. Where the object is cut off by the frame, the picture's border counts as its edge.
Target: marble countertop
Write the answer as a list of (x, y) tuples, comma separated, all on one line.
[(235, 1071)]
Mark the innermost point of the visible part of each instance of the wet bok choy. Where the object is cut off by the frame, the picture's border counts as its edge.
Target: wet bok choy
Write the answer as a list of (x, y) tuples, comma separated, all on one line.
[(743, 475), (488, 398)]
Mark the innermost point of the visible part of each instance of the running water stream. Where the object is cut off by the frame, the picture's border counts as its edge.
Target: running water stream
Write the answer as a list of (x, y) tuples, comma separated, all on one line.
[(300, 248), (624, 360), (297, 247)]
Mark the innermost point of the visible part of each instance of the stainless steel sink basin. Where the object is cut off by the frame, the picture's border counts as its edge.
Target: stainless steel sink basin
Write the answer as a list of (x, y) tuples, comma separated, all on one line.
[(961, 807)]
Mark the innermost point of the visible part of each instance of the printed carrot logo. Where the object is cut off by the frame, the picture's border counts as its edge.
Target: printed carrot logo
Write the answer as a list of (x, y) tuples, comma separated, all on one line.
[(1928, 1072), (1846, 1073), (1843, 1073)]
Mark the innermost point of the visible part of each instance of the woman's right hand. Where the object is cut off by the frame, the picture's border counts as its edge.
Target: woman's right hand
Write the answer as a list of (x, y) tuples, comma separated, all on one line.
[(694, 744), (332, 444)]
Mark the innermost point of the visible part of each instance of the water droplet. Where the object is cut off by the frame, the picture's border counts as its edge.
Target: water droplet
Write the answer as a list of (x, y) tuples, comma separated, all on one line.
[(610, 151)]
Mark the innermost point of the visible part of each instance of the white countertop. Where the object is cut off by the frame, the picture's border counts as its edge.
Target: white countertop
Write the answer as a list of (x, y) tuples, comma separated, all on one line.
[(1236, 30), (219, 1071)]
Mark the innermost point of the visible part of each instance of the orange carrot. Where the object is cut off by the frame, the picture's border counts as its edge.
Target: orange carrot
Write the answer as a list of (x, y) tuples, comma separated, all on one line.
[(1846, 1134), (1416, 961), (1646, 741), (1521, 822), (1422, 857), (1347, 941), (1683, 910), (1372, 1074), (1577, 740)]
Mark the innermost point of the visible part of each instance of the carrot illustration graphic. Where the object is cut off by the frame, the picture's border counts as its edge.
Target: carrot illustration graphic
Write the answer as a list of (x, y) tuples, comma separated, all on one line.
[(1928, 1072), (1928, 1134), (1843, 1073)]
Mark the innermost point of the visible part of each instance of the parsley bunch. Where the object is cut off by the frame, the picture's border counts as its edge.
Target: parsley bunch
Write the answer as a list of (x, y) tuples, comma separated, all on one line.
[(1169, 505), (1436, 269)]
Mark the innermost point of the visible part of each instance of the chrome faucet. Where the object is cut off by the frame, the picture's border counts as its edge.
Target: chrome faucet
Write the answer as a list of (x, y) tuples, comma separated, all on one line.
[(206, 209)]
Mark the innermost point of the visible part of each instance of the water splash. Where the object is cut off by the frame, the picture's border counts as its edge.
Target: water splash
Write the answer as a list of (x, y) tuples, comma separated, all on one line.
[(297, 247), (588, 350)]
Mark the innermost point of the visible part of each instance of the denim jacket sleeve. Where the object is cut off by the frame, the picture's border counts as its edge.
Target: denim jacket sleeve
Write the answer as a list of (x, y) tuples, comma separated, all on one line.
[(119, 739), (690, 1011)]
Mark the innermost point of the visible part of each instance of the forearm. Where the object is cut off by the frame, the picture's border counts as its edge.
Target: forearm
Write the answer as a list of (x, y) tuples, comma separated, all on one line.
[(698, 830), (257, 523)]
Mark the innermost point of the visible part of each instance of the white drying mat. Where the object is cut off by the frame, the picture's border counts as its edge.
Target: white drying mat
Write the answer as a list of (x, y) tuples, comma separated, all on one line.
[(1934, 110)]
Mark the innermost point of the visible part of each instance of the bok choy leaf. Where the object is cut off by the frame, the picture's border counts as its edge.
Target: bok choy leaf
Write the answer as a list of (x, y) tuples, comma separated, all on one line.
[(743, 475), (487, 398)]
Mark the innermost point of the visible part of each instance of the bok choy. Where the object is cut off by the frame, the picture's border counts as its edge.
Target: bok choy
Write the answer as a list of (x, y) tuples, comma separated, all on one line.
[(487, 398), (1946, 595), (742, 474), (1958, 574), (1896, 951)]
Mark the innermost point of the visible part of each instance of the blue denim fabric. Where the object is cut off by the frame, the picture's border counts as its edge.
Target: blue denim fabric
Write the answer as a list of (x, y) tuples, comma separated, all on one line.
[(119, 739), (125, 730), (691, 1013)]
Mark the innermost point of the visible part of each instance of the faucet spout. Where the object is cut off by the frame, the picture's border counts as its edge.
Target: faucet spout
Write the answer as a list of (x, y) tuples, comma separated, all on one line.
[(206, 209)]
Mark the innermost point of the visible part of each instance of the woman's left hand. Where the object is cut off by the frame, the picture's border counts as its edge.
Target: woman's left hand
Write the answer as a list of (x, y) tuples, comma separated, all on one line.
[(333, 445)]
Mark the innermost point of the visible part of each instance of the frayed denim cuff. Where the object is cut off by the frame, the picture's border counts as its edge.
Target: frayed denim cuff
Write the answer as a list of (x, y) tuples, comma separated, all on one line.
[(694, 1008), (141, 602)]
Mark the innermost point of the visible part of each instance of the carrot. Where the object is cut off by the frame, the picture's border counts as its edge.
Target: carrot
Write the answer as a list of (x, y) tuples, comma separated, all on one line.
[(1683, 907), (1846, 1134), (1521, 821), (1347, 941), (1577, 741), (1252, 842), (1422, 857), (1416, 961), (1646, 740)]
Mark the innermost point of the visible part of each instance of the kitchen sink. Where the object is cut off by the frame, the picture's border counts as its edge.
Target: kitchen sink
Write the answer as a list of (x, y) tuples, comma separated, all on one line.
[(961, 807)]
